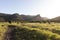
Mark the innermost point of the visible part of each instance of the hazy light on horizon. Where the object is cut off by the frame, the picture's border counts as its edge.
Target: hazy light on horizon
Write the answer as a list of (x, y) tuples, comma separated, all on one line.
[(46, 8)]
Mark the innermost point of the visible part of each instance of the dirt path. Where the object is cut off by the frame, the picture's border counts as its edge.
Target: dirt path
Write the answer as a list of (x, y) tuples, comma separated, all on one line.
[(11, 33)]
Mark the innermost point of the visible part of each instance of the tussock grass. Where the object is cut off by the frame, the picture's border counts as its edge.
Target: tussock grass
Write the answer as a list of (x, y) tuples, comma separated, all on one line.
[(32, 31)]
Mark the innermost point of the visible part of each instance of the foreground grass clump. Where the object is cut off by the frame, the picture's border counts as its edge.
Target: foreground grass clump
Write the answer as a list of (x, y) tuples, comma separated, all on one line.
[(35, 34), (3, 30), (31, 31)]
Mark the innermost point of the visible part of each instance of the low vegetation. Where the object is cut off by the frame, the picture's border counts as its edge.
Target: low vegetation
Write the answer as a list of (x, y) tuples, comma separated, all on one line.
[(30, 31)]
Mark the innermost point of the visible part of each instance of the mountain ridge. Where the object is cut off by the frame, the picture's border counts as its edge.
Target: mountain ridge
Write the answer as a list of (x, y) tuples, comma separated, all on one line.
[(16, 17)]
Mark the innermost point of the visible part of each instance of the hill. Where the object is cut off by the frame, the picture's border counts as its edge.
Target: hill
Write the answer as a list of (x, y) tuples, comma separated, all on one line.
[(56, 19), (17, 17)]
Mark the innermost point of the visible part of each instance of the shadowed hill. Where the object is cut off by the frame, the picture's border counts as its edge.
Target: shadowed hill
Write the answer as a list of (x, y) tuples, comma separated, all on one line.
[(56, 19), (17, 17)]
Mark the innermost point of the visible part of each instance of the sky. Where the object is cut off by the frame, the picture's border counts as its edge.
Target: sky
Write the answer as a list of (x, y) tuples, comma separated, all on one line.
[(46, 8)]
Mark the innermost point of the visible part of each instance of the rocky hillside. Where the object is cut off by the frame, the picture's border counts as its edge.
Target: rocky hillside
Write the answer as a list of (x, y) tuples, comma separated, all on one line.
[(56, 19), (17, 17)]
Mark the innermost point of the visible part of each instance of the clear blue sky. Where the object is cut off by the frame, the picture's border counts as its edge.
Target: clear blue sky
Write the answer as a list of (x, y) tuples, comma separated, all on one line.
[(47, 8), (20, 6)]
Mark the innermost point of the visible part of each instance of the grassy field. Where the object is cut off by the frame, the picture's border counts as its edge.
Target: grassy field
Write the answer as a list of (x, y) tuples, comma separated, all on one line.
[(31, 31)]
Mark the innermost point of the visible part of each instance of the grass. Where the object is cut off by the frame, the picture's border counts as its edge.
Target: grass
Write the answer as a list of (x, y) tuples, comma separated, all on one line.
[(32, 31)]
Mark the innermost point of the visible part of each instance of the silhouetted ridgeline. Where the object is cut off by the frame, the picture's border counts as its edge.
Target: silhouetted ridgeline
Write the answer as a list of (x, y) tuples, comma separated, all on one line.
[(56, 19), (16, 17)]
